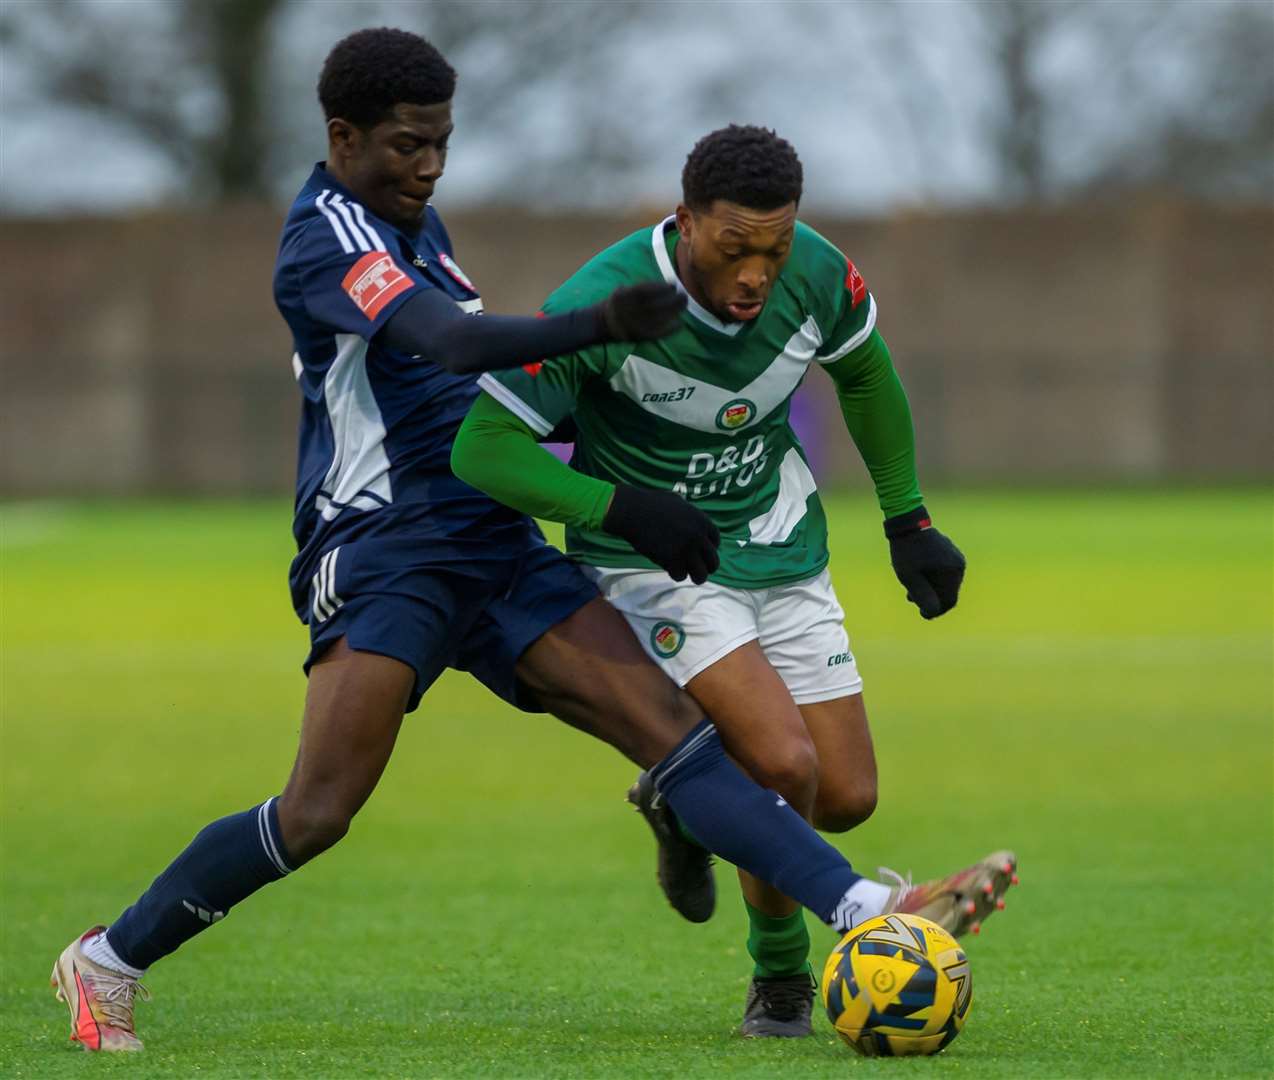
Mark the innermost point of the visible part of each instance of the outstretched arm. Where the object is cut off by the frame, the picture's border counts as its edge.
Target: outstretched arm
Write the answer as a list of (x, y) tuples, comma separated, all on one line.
[(874, 404), (430, 325), (497, 453), (878, 417)]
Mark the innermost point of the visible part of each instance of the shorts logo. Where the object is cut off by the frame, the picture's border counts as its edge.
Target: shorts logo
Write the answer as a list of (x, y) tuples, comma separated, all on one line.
[(374, 281), (736, 414), (449, 264), (840, 658), (666, 639)]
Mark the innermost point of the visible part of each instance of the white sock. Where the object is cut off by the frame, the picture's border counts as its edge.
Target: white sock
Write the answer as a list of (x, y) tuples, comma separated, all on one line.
[(862, 901), (99, 950)]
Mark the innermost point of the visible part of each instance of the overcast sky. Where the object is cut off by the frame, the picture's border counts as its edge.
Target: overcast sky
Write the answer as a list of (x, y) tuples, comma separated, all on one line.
[(831, 77)]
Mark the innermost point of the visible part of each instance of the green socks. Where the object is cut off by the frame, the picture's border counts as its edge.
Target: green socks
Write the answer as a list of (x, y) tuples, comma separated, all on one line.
[(780, 946)]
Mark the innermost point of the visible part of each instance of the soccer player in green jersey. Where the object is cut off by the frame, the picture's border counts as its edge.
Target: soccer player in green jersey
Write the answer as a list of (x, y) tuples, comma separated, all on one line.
[(704, 413)]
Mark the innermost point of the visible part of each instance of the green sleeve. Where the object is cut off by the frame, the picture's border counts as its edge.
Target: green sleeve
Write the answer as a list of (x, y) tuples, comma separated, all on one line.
[(497, 453), (876, 412)]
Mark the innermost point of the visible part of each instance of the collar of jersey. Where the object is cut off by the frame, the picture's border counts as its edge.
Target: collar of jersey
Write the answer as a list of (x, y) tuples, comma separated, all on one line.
[(320, 178), (662, 258)]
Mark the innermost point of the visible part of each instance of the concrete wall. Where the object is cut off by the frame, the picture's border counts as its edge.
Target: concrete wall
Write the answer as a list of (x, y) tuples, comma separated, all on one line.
[(146, 355)]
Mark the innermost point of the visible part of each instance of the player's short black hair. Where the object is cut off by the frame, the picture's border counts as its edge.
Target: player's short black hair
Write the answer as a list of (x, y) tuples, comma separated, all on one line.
[(742, 164), (368, 73)]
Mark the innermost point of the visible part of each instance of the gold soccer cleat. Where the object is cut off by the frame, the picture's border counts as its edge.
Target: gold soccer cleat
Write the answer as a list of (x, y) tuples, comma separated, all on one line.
[(961, 901)]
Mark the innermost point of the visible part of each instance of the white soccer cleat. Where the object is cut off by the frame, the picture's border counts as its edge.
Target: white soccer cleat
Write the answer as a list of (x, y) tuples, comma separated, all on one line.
[(100, 1000)]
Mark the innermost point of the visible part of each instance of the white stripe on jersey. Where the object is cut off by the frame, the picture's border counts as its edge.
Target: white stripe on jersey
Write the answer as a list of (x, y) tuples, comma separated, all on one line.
[(855, 339), (796, 485), (514, 404), (334, 221), (359, 239), (360, 465), (372, 234)]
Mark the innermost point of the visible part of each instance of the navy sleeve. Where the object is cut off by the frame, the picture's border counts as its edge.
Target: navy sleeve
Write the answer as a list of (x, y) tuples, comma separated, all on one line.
[(353, 287), (430, 325)]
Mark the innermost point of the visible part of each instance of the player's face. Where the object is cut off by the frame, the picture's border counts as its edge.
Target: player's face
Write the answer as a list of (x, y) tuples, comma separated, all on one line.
[(729, 256), (392, 168)]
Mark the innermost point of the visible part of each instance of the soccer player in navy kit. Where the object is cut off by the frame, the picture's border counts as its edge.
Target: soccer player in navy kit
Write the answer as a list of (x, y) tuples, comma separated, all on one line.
[(403, 570)]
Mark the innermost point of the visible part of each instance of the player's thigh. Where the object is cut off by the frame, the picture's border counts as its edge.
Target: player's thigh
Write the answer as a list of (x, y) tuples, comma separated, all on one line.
[(590, 671), (382, 628), (704, 639), (354, 708), (846, 762), (551, 644), (759, 723), (802, 630)]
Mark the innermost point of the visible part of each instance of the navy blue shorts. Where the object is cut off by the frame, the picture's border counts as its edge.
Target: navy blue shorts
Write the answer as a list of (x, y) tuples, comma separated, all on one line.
[(470, 605)]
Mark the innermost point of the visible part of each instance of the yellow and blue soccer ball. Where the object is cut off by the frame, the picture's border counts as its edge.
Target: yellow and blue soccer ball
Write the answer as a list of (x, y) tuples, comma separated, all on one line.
[(897, 985)]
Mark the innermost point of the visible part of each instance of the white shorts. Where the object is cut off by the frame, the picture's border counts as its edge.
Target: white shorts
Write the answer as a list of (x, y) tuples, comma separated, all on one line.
[(686, 627)]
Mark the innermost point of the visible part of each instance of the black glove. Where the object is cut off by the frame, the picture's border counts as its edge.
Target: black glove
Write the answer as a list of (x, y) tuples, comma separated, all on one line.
[(929, 565), (641, 312), (667, 530)]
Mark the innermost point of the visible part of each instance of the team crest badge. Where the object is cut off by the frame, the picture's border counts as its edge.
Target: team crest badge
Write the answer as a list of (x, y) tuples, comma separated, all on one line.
[(736, 414), (666, 639), (449, 264)]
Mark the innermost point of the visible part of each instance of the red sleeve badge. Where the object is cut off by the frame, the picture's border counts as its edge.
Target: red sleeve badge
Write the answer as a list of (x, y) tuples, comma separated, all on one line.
[(374, 281), (855, 285)]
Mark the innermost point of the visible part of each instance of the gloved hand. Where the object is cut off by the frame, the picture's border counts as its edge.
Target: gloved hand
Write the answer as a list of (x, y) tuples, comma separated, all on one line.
[(929, 565), (641, 312), (666, 529)]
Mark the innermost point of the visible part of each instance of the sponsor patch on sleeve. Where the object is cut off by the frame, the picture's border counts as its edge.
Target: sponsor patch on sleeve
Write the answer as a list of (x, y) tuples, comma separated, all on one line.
[(855, 285), (374, 281)]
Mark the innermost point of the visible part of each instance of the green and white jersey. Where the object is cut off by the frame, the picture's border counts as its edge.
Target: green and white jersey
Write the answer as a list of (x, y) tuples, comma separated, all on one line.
[(704, 411)]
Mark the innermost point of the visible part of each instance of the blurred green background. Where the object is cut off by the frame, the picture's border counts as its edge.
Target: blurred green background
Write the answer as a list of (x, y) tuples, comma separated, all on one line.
[(1100, 700)]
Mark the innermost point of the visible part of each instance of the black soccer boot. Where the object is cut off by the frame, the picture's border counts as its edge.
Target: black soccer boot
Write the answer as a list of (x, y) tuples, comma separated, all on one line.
[(779, 1008), (685, 869)]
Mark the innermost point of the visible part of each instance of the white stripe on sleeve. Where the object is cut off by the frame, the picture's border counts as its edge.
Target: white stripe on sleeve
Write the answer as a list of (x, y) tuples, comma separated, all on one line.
[(372, 234), (348, 218), (514, 404), (334, 221)]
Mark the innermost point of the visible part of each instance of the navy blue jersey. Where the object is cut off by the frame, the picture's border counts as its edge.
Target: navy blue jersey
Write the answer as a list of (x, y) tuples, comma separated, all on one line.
[(376, 425)]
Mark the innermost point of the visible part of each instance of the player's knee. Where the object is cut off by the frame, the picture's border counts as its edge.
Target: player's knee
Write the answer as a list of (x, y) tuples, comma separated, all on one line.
[(839, 810), (311, 826), (791, 769)]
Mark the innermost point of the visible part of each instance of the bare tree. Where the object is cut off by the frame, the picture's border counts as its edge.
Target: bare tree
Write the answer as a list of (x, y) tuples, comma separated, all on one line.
[(1174, 95), (183, 76)]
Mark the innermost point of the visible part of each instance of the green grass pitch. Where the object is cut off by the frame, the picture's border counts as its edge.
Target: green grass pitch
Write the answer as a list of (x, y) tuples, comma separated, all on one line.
[(1101, 701)]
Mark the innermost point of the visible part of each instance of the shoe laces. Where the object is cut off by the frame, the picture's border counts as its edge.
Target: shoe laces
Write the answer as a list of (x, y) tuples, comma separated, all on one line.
[(785, 999), (901, 885), (114, 996)]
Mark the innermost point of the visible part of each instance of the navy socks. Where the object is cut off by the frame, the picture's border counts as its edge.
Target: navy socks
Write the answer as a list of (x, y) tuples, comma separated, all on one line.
[(734, 817), (728, 812), (228, 861)]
